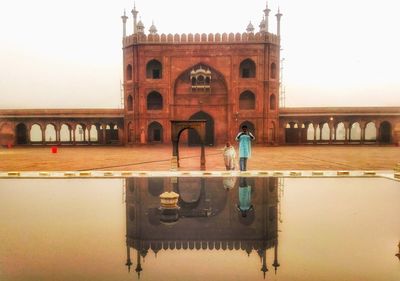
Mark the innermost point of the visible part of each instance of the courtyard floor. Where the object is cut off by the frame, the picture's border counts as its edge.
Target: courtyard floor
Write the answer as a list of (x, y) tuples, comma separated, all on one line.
[(158, 158)]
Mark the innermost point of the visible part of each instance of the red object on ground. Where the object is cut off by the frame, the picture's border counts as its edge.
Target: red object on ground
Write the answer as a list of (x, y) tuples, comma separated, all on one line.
[(54, 149), (9, 145)]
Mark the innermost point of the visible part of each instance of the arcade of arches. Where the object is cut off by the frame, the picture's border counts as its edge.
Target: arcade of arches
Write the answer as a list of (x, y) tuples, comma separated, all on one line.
[(70, 130), (341, 132)]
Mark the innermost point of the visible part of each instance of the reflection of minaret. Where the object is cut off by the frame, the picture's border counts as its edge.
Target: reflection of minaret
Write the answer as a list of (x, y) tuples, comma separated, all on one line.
[(128, 258), (138, 268), (264, 268), (276, 263)]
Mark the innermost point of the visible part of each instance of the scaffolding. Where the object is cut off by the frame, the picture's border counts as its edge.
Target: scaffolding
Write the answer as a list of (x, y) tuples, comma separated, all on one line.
[(282, 90), (121, 90)]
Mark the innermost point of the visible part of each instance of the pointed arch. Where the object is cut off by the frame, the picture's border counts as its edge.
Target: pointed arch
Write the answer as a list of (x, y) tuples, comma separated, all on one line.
[(247, 101), (183, 83), (273, 71), (50, 134), (340, 132), (310, 132), (325, 132), (355, 132), (194, 138), (36, 133), (385, 132), (65, 133), (155, 132), (21, 132), (247, 69), (129, 103), (129, 72), (370, 132), (272, 102), (154, 101), (154, 69)]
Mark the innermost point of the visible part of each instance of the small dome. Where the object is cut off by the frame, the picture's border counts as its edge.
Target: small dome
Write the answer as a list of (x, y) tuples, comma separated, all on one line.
[(140, 24), (250, 27), (153, 29)]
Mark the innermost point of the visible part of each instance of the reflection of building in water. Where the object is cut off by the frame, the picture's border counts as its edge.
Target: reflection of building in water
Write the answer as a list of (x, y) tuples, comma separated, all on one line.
[(208, 217)]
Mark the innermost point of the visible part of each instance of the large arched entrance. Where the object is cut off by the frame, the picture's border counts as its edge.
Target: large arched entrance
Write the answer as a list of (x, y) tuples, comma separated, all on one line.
[(21, 131), (385, 132), (194, 138)]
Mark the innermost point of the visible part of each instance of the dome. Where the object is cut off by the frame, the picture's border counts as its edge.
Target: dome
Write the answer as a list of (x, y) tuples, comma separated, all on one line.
[(140, 24), (250, 27), (153, 29)]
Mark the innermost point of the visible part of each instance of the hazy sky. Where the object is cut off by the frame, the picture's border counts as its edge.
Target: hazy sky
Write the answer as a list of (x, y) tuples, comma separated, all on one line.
[(67, 54)]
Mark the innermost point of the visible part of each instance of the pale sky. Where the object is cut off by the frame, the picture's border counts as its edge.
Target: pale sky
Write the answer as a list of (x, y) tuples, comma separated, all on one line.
[(67, 54)]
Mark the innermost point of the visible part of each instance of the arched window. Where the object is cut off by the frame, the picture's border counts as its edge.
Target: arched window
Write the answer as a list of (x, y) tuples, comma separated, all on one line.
[(50, 133), (130, 103), (247, 69), (155, 132), (129, 72), (272, 102), (247, 100), (154, 101), (325, 132), (273, 70), (385, 130), (65, 133), (94, 134), (340, 132), (21, 133), (370, 132), (36, 133), (154, 70), (355, 132), (310, 132), (79, 133)]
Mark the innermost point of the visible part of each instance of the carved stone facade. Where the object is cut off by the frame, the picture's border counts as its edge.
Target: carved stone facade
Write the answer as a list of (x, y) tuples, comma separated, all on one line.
[(226, 79)]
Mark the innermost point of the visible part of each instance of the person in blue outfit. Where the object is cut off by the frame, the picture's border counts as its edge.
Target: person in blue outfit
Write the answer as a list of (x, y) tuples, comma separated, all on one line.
[(244, 205), (244, 138)]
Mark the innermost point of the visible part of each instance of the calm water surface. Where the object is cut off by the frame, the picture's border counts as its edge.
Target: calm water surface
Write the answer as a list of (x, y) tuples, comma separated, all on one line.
[(225, 229)]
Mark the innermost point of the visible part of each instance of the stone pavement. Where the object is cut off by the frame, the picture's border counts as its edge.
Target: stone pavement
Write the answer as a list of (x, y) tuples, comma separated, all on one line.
[(158, 158)]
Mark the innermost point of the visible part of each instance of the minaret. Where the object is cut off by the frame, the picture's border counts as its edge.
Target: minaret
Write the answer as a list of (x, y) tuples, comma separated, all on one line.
[(124, 18), (134, 14), (278, 25), (266, 14)]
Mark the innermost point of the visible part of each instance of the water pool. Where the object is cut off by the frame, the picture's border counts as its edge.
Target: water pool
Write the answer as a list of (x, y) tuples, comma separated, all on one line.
[(231, 228)]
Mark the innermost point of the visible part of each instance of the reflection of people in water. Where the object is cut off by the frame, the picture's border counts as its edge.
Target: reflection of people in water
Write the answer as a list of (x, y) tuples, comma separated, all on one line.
[(229, 182), (244, 205)]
